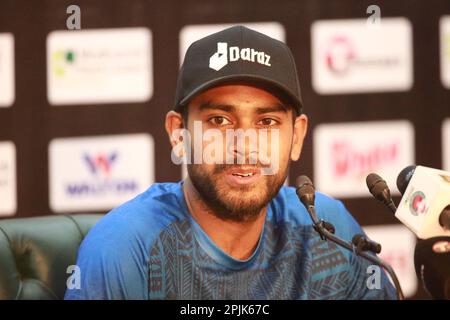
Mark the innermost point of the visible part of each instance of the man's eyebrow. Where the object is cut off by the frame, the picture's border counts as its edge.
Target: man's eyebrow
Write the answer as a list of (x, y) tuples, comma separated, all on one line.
[(274, 108), (207, 105)]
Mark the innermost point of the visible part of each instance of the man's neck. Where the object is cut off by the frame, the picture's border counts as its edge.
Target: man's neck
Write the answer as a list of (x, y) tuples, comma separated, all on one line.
[(237, 239)]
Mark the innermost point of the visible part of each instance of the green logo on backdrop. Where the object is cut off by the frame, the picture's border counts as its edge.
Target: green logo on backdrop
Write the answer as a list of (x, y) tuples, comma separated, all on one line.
[(60, 60)]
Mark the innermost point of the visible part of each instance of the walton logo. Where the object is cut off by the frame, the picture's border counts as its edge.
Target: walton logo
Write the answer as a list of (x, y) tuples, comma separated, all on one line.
[(102, 183), (224, 55), (100, 163)]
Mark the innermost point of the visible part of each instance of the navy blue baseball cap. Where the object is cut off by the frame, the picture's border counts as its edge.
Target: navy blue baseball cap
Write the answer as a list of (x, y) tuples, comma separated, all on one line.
[(238, 55)]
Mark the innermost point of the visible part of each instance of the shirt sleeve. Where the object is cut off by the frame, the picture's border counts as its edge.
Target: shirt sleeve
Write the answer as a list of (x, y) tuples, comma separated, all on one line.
[(111, 264)]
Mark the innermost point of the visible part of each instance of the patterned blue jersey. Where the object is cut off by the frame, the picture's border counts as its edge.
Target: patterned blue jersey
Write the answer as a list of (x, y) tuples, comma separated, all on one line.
[(152, 248)]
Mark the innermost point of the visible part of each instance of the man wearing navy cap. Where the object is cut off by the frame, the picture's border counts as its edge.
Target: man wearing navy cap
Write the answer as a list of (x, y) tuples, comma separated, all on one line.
[(230, 230)]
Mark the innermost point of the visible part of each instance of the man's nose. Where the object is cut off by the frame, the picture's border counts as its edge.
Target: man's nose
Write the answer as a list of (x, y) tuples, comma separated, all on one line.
[(244, 147)]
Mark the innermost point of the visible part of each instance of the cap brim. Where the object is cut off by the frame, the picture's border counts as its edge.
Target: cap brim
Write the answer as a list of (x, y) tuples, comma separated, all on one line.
[(267, 84)]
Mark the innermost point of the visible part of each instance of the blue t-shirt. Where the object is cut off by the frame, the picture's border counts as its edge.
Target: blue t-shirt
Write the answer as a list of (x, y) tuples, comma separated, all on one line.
[(152, 248)]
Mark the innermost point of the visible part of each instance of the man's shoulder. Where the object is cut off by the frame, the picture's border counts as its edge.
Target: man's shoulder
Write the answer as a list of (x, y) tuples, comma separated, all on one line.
[(288, 201), (113, 256), (289, 208), (140, 219)]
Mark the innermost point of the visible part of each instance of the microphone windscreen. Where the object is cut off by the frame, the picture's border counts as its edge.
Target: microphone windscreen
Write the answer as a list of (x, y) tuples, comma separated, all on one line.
[(432, 264), (304, 186), (404, 177), (303, 180), (375, 183), (378, 187), (305, 191)]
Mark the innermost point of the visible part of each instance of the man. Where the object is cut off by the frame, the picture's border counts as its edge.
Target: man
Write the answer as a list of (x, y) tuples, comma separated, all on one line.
[(231, 230)]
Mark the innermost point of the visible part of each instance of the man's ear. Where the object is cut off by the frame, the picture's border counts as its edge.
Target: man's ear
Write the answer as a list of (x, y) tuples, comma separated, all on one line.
[(300, 128), (174, 122)]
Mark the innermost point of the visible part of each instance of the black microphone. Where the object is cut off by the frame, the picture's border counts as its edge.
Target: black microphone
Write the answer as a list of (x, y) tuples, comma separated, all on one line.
[(431, 255), (380, 190), (307, 194), (363, 243), (432, 264), (305, 191), (404, 177), (444, 218)]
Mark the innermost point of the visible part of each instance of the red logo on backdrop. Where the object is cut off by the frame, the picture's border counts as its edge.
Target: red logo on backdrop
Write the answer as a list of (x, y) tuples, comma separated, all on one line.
[(397, 258), (339, 54), (348, 160)]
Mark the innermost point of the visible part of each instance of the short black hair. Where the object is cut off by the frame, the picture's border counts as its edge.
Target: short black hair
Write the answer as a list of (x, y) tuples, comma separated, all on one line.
[(184, 114)]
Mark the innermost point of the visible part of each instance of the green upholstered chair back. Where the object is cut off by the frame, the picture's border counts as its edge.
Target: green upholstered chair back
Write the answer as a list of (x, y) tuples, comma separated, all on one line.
[(36, 252)]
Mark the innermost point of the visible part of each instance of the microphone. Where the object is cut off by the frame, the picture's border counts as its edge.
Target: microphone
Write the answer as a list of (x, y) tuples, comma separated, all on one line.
[(432, 264), (425, 205), (425, 210), (404, 177), (380, 190), (306, 193), (363, 243)]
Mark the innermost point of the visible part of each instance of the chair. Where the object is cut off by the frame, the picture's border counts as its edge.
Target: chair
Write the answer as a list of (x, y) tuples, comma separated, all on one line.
[(35, 254)]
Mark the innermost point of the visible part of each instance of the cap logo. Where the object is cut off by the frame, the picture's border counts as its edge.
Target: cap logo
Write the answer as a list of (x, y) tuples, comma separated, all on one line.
[(224, 55)]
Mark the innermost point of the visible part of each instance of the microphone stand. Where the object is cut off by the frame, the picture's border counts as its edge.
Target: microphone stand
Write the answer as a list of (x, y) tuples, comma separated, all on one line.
[(327, 235)]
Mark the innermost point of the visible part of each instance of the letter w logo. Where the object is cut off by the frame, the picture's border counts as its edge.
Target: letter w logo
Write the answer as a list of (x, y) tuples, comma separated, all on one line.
[(100, 163), (220, 58)]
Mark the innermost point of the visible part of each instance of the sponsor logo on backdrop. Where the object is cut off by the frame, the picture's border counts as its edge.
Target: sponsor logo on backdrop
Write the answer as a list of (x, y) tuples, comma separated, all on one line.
[(99, 66), (192, 33), (398, 245), (100, 164), (340, 53), (8, 198), (349, 56), (444, 27), (62, 61), (446, 145), (7, 90), (99, 173), (103, 182), (345, 153)]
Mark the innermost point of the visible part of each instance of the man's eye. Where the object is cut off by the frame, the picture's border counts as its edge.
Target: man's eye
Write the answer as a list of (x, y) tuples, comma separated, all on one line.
[(219, 121), (267, 122)]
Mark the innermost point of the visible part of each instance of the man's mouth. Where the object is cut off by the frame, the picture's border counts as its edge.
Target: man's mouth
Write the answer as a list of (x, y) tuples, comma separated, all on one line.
[(242, 175)]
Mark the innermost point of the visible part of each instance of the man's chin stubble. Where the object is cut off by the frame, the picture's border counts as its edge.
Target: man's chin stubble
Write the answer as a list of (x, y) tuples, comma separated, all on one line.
[(233, 209)]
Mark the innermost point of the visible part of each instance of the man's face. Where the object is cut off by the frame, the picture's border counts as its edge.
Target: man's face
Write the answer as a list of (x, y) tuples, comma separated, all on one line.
[(236, 191)]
